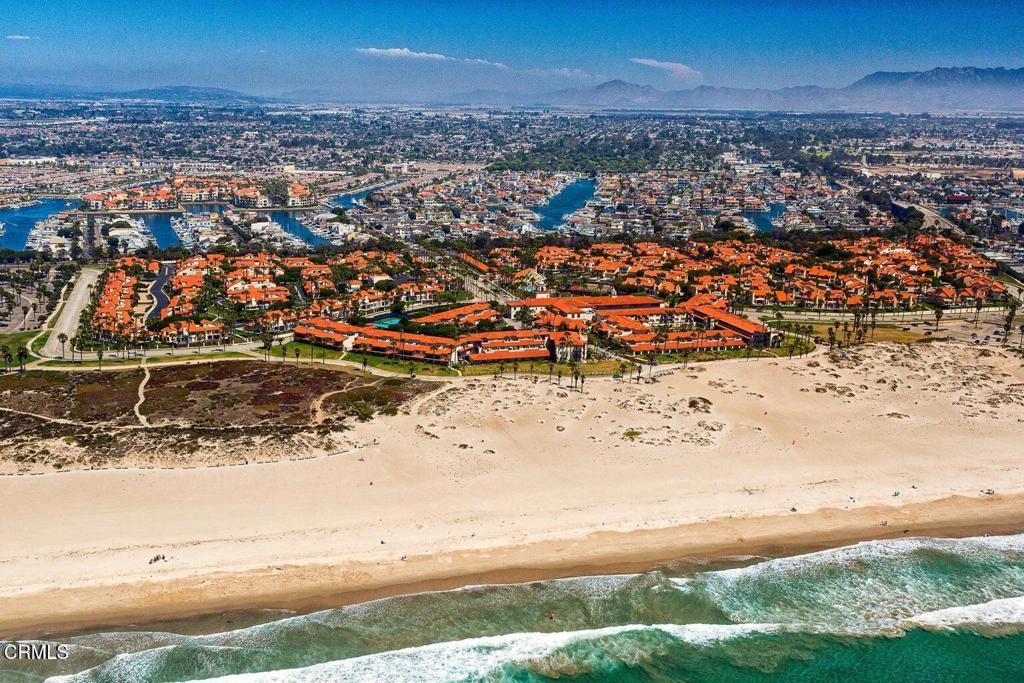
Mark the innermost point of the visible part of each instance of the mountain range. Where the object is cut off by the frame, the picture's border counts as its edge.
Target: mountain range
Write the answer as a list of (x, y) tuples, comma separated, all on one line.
[(168, 93), (946, 89)]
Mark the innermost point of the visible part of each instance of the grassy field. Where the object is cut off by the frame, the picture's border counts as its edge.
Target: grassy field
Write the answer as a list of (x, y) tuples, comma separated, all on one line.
[(15, 340), (225, 355), (38, 344), (107, 363), (149, 360), (588, 368), (400, 366), (706, 356), (288, 350), (882, 333)]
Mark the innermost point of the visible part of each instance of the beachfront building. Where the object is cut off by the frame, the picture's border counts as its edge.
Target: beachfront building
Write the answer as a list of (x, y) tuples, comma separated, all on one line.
[(480, 347), (470, 315), (523, 345), (357, 339), (189, 333)]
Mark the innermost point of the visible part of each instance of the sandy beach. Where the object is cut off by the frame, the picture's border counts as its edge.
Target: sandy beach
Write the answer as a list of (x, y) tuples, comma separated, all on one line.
[(486, 480)]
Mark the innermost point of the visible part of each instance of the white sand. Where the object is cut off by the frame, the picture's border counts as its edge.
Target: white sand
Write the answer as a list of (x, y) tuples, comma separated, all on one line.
[(500, 479)]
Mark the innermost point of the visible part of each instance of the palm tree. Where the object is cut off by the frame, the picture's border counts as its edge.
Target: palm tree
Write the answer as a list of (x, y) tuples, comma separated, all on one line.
[(296, 351), (22, 355), (1008, 324), (99, 357), (9, 358), (63, 339), (267, 340), (938, 316)]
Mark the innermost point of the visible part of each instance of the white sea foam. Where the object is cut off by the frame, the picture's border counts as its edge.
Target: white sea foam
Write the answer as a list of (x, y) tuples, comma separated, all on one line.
[(864, 587), (476, 657), (874, 550), (1004, 614)]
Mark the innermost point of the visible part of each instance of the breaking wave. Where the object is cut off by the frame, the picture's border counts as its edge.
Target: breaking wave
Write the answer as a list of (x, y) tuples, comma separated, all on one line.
[(894, 600)]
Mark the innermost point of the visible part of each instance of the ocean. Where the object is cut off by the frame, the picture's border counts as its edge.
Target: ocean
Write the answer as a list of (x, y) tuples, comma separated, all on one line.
[(914, 609)]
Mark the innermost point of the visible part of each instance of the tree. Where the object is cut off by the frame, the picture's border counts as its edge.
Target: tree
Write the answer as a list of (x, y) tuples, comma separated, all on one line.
[(296, 351), (267, 340), (1008, 323), (9, 358), (22, 355), (99, 357), (938, 312), (63, 339)]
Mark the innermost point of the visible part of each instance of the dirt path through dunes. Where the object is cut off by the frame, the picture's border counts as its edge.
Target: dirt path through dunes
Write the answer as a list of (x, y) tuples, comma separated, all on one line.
[(143, 420)]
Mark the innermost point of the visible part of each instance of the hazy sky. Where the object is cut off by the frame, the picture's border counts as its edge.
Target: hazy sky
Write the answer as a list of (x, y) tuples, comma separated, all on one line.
[(413, 50)]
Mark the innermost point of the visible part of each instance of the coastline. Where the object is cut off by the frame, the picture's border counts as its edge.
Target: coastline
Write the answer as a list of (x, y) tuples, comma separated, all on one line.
[(504, 480), (311, 587)]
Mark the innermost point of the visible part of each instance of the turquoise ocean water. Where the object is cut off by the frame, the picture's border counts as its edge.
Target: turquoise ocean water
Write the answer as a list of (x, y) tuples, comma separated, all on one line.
[(902, 610)]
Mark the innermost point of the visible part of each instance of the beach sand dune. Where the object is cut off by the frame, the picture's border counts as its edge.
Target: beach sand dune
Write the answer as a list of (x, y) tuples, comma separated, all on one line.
[(488, 479)]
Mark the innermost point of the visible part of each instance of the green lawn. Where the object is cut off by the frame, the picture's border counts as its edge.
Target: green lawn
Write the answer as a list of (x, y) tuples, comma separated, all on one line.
[(150, 360), (288, 350), (177, 358), (107, 362), (588, 368), (705, 356), (15, 340), (38, 344), (400, 366)]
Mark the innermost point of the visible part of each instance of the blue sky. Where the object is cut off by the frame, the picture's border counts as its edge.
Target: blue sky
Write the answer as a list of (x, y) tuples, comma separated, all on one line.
[(412, 50)]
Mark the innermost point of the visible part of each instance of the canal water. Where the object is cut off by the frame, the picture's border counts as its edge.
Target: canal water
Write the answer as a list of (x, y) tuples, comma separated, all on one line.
[(572, 198), (763, 219), (18, 223), (350, 200), (160, 224)]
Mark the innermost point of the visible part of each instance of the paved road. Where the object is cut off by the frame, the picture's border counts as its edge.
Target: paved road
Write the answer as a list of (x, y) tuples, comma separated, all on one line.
[(68, 321), (160, 299)]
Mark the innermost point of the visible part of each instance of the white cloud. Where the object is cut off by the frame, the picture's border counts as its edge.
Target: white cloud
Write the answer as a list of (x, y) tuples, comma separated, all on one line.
[(675, 69), (400, 53), (562, 72), (17, 36), (406, 53)]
